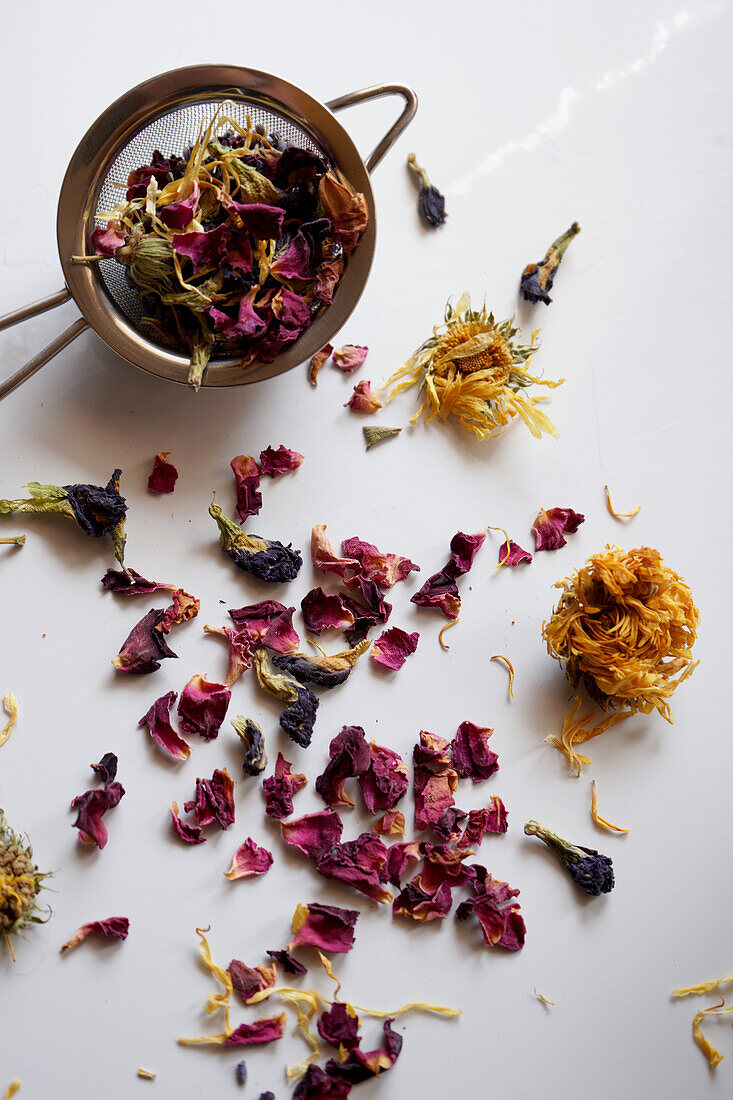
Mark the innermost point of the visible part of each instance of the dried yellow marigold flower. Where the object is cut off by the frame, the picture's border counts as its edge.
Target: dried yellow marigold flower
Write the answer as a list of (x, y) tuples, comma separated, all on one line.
[(472, 368), (20, 882), (624, 628)]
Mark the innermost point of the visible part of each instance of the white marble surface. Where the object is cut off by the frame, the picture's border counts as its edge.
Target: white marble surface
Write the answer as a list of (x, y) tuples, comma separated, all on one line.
[(530, 116)]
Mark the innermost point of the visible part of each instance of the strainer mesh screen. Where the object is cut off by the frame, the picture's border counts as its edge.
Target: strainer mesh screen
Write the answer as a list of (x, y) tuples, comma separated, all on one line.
[(170, 133)]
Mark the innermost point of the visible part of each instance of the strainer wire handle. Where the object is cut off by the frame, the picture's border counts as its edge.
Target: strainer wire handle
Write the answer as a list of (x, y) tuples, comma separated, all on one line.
[(40, 360), (35, 308), (376, 92)]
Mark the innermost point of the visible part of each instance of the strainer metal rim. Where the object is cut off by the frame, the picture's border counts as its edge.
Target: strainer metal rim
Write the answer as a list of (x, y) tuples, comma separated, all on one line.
[(116, 126)]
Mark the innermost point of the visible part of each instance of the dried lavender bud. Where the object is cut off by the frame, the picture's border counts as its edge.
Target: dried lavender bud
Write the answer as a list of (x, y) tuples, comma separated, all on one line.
[(430, 201)]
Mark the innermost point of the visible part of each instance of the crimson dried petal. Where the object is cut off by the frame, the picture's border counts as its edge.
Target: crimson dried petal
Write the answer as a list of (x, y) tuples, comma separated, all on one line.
[(280, 788), (288, 963), (247, 323), (273, 462), (324, 557), (323, 611), (250, 980), (327, 927), (489, 819), (203, 249), (114, 928), (470, 753), (292, 311), (399, 858), (552, 525), (450, 822), (361, 1065), (145, 646), (239, 256), (359, 863), (247, 478), (501, 922), (202, 707), (350, 357), (128, 582), (464, 548), (160, 729), (393, 647), (441, 863), (434, 780), (441, 590), (281, 636), (349, 757), (315, 1084), (106, 769), (214, 800), (249, 860), (263, 222), (191, 834), (374, 610), (177, 215), (107, 239), (384, 569), (91, 808), (339, 1026), (182, 607), (514, 555), (265, 1030), (295, 260), (363, 399), (314, 833), (416, 903), (386, 779), (240, 650), (257, 618), (391, 823)]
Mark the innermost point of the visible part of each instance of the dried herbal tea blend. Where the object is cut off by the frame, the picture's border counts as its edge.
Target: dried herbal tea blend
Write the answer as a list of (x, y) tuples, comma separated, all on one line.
[(236, 245)]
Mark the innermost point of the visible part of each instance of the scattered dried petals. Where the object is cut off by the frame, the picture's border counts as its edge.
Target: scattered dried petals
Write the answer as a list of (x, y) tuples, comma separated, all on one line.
[(363, 399), (385, 570), (202, 707), (317, 362), (510, 666), (597, 819), (324, 611), (163, 476), (614, 513), (326, 927), (280, 788), (374, 434), (470, 753), (349, 757), (274, 463), (10, 706), (393, 647), (214, 800), (191, 834), (391, 823), (115, 928), (247, 479), (157, 721), (249, 860), (91, 807), (551, 526), (349, 358)]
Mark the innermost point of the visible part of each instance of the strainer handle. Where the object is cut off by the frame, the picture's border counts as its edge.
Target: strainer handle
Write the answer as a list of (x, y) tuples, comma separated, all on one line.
[(35, 308), (40, 360), (376, 92)]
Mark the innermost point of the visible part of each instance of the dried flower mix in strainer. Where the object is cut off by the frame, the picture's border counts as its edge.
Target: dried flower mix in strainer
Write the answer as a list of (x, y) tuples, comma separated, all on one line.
[(473, 368), (236, 246), (624, 628), (20, 883)]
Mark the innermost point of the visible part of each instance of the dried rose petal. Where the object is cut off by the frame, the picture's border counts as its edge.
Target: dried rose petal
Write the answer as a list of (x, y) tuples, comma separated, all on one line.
[(281, 636), (324, 557), (191, 834), (106, 769), (203, 249), (214, 800), (273, 463), (91, 807), (441, 863), (339, 1026), (288, 963), (346, 208), (349, 358), (361, 1065), (464, 548), (145, 646), (265, 1030), (202, 707), (263, 222), (393, 647), (349, 757), (416, 903), (280, 788), (131, 583), (257, 618), (322, 611), (399, 857), (450, 823), (106, 240), (374, 610), (160, 729), (163, 476), (326, 927), (433, 779), (470, 753), (315, 1084), (249, 980), (551, 526), (359, 863), (384, 569), (391, 823), (181, 609), (241, 649), (514, 555), (501, 922), (314, 833), (247, 477), (386, 779), (296, 261), (317, 362), (177, 215), (489, 819), (363, 399), (249, 860), (441, 590), (115, 928), (292, 311), (247, 323)]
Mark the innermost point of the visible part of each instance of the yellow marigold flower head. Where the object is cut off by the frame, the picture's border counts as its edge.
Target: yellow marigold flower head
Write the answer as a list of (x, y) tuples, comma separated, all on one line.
[(20, 882), (473, 368)]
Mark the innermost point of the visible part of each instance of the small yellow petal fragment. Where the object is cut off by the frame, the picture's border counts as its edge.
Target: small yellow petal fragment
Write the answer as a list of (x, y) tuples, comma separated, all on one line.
[(146, 1074), (703, 987), (300, 916), (446, 627), (614, 513), (598, 820), (712, 1054), (411, 1006), (326, 964), (12, 1089), (510, 666), (10, 706), (541, 997)]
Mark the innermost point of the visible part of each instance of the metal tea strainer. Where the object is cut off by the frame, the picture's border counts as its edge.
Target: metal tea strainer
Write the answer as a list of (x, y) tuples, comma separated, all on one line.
[(165, 113)]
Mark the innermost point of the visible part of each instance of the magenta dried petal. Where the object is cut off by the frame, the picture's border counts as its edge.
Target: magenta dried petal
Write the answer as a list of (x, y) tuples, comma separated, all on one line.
[(239, 253), (464, 548), (339, 1026), (214, 800), (281, 636), (373, 610), (130, 583), (363, 399), (393, 647), (360, 1065), (280, 788), (384, 569), (490, 819), (204, 249), (265, 1030), (107, 239), (326, 927), (191, 834), (289, 964), (247, 478), (497, 913), (449, 824), (114, 928), (182, 607), (514, 555), (349, 757), (552, 525), (91, 808), (399, 857), (349, 358), (257, 618), (385, 781), (291, 310), (323, 611), (249, 860), (203, 707), (273, 462), (470, 753), (433, 779), (263, 222), (359, 863), (247, 323), (324, 557), (177, 215), (441, 863), (241, 649), (314, 833), (414, 902), (145, 646), (160, 729), (315, 1084), (250, 980), (440, 591), (106, 769), (295, 261)]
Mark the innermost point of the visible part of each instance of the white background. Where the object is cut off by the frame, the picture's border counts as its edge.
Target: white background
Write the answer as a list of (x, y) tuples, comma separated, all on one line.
[(530, 116)]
